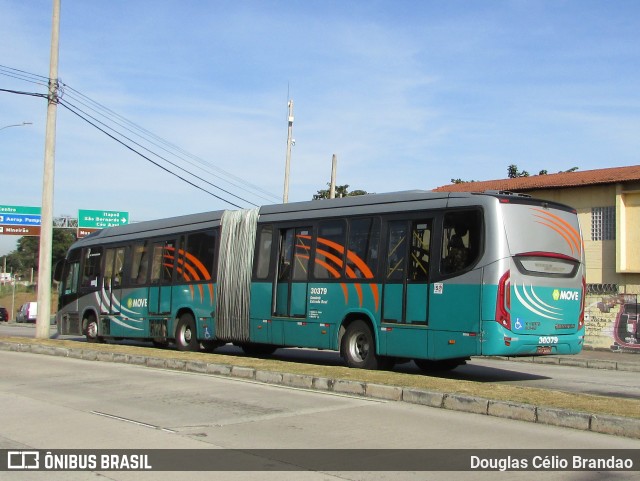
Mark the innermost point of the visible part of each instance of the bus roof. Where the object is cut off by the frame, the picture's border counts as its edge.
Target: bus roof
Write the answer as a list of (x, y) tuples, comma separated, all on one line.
[(355, 205)]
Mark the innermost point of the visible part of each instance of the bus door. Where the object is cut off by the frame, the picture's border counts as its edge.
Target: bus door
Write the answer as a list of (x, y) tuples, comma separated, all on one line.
[(68, 316), (162, 263), (112, 281), (406, 288), (290, 291), (454, 303)]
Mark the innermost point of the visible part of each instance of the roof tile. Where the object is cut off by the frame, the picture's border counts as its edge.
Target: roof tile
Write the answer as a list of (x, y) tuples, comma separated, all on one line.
[(563, 179)]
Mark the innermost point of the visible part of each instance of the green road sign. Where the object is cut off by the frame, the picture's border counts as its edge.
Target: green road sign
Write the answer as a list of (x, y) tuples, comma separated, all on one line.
[(100, 219), (19, 209)]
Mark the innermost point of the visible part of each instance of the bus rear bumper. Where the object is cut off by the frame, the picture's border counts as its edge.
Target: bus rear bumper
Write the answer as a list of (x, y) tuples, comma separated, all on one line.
[(498, 341)]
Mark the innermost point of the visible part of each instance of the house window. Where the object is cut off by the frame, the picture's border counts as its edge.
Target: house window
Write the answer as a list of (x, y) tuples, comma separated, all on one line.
[(603, 223)]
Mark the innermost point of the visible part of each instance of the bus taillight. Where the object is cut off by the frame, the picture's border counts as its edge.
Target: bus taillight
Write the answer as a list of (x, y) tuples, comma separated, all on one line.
[(503, 302), (582, 301)]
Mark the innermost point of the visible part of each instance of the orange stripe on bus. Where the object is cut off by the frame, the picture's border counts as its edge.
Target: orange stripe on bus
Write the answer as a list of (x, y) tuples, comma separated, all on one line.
[(359, 292), (376, 295), (335, 259), (560, 232), (566, 226)]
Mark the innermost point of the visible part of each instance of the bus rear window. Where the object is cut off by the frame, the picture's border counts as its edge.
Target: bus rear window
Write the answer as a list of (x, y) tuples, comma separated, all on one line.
[(548, 265)]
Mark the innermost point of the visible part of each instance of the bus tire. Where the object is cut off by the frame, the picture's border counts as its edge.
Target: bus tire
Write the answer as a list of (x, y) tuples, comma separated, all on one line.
[(358, 347), (186, 334), (427, 365), (91, 331)]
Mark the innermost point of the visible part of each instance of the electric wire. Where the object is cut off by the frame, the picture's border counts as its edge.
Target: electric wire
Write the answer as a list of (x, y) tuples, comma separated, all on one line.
[(74, 93), (70, 109), (66, 103), (66, 92), (32, 94)]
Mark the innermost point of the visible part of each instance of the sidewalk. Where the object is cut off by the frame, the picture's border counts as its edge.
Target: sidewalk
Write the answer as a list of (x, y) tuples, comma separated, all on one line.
[(608, 416), (590, 358)]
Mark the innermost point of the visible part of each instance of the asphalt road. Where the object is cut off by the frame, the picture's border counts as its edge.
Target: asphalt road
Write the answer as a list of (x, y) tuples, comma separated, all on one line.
[(620, 384), (62, 403)]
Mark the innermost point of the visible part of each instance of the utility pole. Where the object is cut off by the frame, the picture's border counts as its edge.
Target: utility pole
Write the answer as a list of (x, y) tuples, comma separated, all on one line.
[(46, 229), (290, 141), (334, 168)]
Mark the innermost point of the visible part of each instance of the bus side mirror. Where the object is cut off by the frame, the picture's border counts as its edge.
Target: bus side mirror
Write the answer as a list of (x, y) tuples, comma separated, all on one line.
[(57, 272)]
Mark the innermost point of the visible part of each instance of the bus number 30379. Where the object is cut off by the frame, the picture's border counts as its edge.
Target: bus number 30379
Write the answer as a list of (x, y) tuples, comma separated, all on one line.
[(548, 340)]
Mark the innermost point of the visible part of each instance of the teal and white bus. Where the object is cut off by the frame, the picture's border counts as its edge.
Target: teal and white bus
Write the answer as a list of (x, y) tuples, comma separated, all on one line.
[(383, 278)]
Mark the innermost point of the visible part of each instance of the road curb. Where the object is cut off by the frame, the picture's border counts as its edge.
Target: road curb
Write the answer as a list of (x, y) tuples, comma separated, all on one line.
[(569, 361), (598, 423)]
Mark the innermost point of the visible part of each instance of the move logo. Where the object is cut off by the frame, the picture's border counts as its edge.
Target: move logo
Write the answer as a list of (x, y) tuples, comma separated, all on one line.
[(559, 295), (136, 303)]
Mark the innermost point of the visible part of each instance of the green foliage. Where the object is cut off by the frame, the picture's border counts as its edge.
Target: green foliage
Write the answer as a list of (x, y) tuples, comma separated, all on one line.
[(26, 256), (513, 172), (460, 181), (341, 191)]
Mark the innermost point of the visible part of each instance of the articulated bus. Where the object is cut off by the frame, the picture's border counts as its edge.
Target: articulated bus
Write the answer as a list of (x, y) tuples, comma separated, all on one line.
[(382, 278)]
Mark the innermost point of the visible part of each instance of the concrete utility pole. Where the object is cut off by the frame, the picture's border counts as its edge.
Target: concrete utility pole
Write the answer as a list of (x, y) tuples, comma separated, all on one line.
[(46, 229), (290, 141), (334, 168)]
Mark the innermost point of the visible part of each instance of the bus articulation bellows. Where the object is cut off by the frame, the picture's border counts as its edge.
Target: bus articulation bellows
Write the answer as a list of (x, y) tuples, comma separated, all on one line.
[(383, 278)]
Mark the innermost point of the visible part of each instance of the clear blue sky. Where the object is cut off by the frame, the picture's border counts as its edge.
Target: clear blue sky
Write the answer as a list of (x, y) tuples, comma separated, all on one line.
[(407, 94)]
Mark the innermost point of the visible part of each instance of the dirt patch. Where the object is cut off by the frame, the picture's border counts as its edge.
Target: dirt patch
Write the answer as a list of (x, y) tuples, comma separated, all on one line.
[(538, 397)]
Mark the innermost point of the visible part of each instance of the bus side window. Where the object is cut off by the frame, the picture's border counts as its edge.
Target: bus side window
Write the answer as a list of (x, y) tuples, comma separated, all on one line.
[(107, 276), (118, 267), (396, 251), (91, 267), (420, 250), (70, 273), (301, 253), (263, 263), (330, 250), (286, 251), (461, 239), (162, 262), (70, 284), (196, 257), (362, 255), (139, 265)]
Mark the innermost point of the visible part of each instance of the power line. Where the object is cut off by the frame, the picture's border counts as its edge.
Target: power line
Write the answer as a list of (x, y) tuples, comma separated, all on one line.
[(144, 133), (164, 145), (65, 105)]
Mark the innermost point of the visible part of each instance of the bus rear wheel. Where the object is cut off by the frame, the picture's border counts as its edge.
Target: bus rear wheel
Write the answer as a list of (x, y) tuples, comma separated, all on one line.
[(358, 347), (186, 334)]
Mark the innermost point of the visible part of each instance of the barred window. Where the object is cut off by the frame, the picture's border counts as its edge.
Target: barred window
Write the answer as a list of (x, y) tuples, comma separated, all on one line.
[(603, 223)]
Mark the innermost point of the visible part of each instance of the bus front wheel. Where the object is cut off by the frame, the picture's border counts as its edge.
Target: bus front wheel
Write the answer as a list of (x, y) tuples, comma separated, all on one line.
[(92, 329), (359, 347), (186, 334)]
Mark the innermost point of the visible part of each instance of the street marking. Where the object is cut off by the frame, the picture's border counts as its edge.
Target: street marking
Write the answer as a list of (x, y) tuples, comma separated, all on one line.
[(118, 418)]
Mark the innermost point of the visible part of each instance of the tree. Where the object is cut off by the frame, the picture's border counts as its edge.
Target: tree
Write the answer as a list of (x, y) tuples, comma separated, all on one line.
[(26, 256), (460, 181), (513, 172), (341, 191)]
